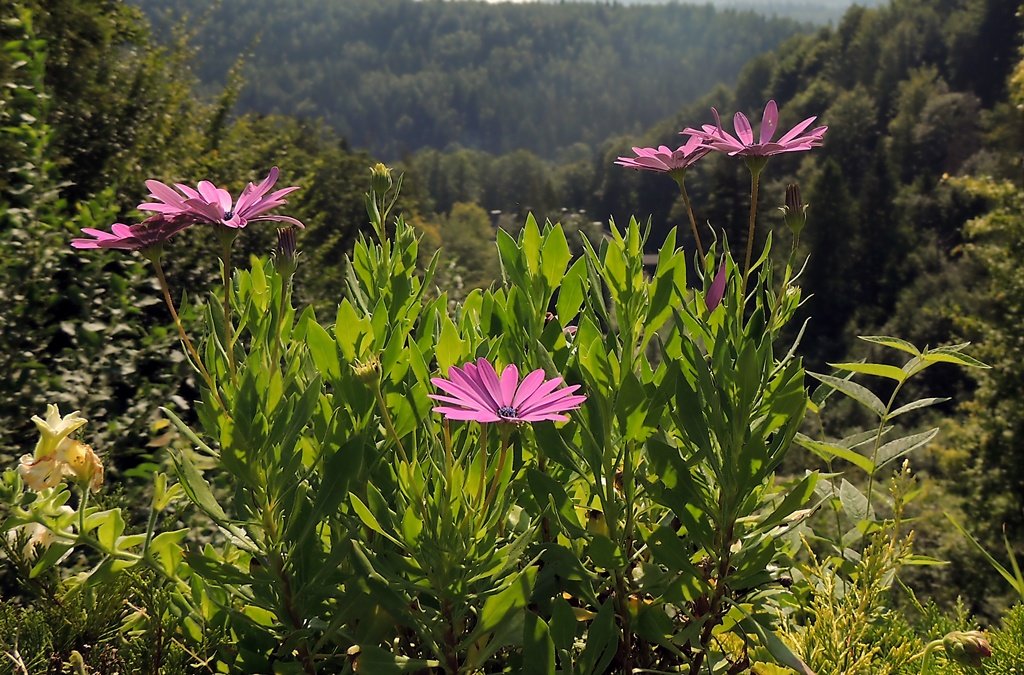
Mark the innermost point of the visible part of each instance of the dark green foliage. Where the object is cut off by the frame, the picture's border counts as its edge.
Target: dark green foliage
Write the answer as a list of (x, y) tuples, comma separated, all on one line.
[(94, 626), (73, 330), (398, 75)]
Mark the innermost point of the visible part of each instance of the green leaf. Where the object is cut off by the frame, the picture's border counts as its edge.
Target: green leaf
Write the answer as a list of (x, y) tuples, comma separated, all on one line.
[(570, 293), (546, 490), (1015, 580), (196, 488), (878, 369), (324, 350), (776, 647), (901, 446), (450, 348), (538, 647), (556, 256), (855, 391), (563, 624), (49, 558), (111, 525), (166, 548), (369, 519), (828, 451), (504, 605), (187, 431), (796, 498), (953, 355), (373, 659), (605, 553), (602, 642), (916, 405), (895, 343), (855, 504), (530, 239)]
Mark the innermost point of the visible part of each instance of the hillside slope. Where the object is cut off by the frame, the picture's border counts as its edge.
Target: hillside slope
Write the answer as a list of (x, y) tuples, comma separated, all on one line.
[(394, 76)]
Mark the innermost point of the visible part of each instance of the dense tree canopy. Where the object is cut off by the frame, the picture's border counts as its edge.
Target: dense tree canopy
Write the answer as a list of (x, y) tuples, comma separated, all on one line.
[(394, 76)]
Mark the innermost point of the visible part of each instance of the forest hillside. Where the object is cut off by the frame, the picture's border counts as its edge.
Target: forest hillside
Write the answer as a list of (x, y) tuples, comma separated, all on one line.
[(394, 76)]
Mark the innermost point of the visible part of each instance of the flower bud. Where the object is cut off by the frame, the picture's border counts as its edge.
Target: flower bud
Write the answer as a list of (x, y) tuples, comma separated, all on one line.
[(367, 371), (795, 211), (717, 289), (967, 647), (380, 178), (285, 253)]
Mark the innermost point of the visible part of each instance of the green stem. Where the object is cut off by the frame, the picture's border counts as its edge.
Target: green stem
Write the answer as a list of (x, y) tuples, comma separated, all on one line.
[(926, 655), (277, 344), (755, 179), (389, 426), (689, 212), (229, 337), (483, 467), (878, 441), (189, 347), (150, 527), (84, 502), (497, 472)]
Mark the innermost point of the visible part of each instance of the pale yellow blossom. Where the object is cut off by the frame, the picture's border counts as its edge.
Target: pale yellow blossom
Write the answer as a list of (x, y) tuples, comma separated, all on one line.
[(57, 455)]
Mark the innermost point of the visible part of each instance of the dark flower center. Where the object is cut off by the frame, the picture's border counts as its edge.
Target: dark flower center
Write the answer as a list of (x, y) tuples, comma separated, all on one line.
[(508, 412), (228, 215)]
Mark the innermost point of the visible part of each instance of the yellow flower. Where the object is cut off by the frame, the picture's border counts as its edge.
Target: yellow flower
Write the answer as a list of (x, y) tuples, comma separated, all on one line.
[(57, 455), (55, 429), (84, 465)]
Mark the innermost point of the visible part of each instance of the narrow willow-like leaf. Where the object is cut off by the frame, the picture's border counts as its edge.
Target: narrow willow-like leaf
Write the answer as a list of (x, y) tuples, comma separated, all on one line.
[(829, 451), (954, 357), (878, 369), (1015, 581), (895, 343), (917, 405), (857, 392), (897, 448)]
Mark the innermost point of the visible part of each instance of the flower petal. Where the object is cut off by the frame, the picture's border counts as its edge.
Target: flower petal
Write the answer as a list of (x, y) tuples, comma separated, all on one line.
[(769, 121), (743, 129)]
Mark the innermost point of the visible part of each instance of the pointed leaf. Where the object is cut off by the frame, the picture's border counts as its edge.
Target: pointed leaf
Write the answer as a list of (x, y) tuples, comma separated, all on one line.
[(895, 343), (538, 647), (855, 391), (878, 369), (949, 355), (855, 504), (917, 405), (556, 255), (901, 446), (827, 451)]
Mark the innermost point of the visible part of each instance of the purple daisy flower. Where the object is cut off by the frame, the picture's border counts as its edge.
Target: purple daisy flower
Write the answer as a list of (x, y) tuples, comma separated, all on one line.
[(794, 140), (476, 393), (665, 160), (207, 203), (149, 233)]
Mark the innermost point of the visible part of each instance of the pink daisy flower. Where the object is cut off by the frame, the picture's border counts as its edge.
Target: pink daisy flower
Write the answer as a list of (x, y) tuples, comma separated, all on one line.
[(207, 203), (794, 140), (665, 160), (149, 233), (476, 393)]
